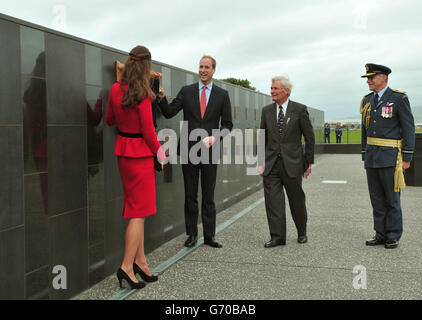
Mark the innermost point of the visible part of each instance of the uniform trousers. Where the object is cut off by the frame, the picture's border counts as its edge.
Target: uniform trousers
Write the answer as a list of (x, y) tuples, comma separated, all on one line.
[(385, 202)]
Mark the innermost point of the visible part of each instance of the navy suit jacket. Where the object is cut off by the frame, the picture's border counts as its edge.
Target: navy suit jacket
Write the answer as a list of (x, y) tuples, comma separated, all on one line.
[(218, 114)]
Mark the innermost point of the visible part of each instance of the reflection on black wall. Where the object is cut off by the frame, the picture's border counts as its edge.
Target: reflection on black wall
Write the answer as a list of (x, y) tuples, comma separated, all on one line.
[(61, 192)]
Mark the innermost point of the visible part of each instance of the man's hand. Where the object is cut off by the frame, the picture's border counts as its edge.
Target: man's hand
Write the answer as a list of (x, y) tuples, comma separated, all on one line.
[(208, 141), (260, 170), (405, 165), (308, 172)]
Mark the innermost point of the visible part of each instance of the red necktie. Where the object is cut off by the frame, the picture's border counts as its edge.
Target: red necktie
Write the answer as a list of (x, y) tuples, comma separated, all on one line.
[(203, 102)]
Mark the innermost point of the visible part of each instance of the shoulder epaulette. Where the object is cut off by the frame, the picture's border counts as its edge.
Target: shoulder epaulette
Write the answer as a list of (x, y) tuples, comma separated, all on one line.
[(399, 91)]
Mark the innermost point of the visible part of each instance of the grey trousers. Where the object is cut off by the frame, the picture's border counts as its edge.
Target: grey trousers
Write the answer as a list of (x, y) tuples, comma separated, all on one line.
[(275, 205)]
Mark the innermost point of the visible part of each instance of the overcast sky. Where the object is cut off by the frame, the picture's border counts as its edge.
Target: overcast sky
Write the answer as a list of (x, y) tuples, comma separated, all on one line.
[(322, 45)]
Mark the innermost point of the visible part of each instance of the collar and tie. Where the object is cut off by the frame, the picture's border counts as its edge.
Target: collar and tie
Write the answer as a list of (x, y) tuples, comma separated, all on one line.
[(376, 99)]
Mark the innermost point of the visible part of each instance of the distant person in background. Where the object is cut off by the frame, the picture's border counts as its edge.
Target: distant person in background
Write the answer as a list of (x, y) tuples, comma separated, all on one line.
[(326, 133), (130, 109), (388, 141), (339, 132)]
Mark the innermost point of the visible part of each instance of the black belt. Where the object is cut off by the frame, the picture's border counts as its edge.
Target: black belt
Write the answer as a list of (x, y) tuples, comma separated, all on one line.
[(130, 135)]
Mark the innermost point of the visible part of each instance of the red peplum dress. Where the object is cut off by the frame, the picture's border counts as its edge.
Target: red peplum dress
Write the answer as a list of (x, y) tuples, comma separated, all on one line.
[(135, 154)]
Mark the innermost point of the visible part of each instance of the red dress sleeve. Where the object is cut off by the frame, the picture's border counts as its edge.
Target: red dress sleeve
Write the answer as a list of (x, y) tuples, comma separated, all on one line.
[(148, 129)]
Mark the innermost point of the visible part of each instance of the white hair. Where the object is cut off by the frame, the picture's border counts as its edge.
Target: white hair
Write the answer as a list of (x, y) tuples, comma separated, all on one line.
[(285, 82)]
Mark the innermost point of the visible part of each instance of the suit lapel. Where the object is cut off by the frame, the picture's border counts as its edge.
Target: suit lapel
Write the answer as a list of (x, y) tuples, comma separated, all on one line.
[(197, 104), (272, 122)]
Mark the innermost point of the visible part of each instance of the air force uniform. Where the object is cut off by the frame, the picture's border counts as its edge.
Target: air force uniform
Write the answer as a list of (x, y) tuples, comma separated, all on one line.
[(388, 138)]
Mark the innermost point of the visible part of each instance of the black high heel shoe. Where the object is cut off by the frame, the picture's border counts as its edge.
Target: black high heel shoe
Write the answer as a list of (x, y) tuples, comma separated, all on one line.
[(144, 276), (134, 285)]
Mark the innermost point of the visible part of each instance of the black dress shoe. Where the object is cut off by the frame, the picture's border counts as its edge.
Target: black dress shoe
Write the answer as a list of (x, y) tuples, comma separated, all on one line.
[(375, 241), (144, 276), (391, 244), (211, 242), (302, 239), (191, 241), (273, 243)]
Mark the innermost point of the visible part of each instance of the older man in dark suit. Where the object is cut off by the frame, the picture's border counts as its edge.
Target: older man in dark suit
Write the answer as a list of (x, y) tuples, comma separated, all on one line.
[(205, 106), (284, 123)]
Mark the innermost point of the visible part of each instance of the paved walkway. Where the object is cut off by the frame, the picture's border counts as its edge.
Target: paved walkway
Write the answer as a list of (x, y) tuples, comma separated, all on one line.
[(339, 222)]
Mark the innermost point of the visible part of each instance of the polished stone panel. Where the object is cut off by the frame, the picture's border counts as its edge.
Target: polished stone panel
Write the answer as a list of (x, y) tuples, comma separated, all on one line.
[(230, 90), (115, 229), (36, 221), (189, 78), (96, 206), (108, 67), (34, 101), (11, 171), (95, 124), (67, 168), (154, 233), (32, 52), (112, 180), (96, 264), (12, 264), (37, 284), (65, 71), (93, 66), (69, 248), (166, 82), (10, 107), (156, 67), (169, 220), (178, 80)]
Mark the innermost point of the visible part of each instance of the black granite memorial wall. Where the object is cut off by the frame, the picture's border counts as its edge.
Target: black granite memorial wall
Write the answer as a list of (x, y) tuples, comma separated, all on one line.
[(61, 193)]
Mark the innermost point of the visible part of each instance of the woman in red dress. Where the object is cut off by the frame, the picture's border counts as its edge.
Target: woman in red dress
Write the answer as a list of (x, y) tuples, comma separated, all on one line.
[(136, 144)]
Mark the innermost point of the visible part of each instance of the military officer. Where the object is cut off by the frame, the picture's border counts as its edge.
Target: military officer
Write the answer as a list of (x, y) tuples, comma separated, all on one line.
[(388, 141)]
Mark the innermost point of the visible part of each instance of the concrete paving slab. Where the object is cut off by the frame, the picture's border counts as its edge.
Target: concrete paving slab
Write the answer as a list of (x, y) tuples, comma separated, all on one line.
[(339, 222)]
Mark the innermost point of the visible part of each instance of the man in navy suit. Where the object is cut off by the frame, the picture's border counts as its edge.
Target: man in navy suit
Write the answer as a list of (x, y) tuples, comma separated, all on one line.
[(205, 106), (388, 141)]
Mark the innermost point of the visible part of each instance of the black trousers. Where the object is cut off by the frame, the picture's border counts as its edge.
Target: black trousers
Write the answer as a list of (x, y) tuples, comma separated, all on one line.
[(275, 204), (327, 138), (208, 174)]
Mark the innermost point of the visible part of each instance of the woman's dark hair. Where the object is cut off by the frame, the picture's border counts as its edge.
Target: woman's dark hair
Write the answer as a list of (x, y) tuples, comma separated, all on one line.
[(137, 75)]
